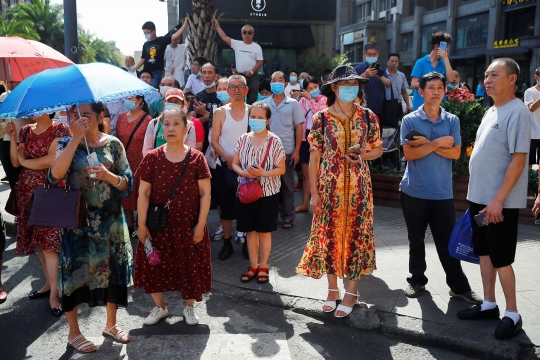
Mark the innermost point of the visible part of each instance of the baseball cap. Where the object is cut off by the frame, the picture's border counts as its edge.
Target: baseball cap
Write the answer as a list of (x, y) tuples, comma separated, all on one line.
[(226, 71), (174, 92), (233, 66)]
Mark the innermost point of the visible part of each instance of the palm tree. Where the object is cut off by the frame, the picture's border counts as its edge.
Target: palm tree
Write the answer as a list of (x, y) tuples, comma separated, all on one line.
[(87, 53), (201, 32), (12, 25)]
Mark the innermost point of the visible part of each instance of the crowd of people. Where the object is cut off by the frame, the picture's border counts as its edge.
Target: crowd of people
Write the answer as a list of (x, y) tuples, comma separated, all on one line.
[(219, 139)]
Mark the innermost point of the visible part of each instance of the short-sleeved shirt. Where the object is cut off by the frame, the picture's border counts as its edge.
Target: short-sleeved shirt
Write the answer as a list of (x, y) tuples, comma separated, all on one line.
[(153, 53), (284, 119), (212, 103), (156, 107), (421, 68), (503, 131), (398, 83), (375, 91), (195, 84), (430, 177), (246, 55), (531, 95), (248, 155), (480, 90)]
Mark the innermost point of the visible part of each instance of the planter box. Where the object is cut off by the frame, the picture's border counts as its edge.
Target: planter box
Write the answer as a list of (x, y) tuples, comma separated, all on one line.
[(386, 193)]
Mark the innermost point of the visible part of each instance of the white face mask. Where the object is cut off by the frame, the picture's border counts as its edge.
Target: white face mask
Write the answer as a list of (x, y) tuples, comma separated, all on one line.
[(62, 118), (163, 90)]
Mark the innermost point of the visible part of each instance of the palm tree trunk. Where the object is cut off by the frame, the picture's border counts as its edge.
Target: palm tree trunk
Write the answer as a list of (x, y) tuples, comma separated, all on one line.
[(201, 32)]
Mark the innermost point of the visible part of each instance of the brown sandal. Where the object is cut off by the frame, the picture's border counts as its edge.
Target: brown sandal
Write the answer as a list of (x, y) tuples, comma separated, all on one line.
[(262, 279), (250, 274)]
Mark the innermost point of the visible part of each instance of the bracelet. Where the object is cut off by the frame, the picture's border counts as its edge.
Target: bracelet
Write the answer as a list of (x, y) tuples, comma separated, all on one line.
[(120, 182)]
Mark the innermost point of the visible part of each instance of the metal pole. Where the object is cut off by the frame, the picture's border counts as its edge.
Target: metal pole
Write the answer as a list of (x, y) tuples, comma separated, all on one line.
[(71, 41)]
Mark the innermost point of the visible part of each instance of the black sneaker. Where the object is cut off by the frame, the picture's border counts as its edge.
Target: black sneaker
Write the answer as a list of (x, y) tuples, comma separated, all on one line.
[(476, 313), (507, 329), (413, 290), (226, 250), (469, 296)]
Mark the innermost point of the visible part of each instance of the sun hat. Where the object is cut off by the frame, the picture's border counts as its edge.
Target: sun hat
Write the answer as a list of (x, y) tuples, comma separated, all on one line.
[(342, 72)]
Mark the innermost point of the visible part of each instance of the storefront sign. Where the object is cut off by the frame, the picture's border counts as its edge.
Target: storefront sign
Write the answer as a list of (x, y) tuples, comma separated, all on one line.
[(348, 38), (359, 36), (506, 43), (516, 2)]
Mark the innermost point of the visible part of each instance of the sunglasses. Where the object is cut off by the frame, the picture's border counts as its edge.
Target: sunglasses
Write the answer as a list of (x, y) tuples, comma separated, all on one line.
[(237, 87), (247, 32)]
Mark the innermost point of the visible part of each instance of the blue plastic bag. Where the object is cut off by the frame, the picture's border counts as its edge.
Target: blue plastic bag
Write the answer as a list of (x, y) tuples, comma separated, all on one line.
[(460, 245)]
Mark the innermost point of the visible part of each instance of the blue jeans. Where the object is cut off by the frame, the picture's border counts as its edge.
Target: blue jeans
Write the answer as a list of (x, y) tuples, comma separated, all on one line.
[(156, 78)]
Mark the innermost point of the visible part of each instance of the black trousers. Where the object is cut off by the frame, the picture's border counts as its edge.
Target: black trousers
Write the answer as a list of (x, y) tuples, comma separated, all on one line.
[(440, 216), (2, 238), (12, 172)]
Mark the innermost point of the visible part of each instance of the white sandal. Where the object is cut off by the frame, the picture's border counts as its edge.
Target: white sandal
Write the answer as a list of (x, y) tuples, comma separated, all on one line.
[(82, 345), (332, 304), (347, 310), (118, 336)]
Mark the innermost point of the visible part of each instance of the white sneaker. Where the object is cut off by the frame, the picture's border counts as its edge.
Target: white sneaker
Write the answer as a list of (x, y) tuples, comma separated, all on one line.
[(190, 316), (218, 235), (240, 237), (155, 315)]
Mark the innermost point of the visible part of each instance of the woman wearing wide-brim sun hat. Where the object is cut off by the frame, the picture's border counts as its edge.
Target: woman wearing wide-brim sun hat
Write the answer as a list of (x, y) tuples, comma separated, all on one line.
[(341, 243)]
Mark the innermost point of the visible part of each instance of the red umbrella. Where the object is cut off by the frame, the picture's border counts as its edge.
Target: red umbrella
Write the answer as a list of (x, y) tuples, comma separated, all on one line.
[(21, 58)]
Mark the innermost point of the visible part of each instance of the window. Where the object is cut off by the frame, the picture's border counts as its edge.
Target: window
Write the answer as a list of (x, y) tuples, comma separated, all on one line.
[(363, 12), (427, 32), (407, 42), (519, 24), (472, 32)]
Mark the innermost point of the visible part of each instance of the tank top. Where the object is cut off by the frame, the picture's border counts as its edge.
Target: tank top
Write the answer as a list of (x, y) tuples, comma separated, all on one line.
[(231, 131)]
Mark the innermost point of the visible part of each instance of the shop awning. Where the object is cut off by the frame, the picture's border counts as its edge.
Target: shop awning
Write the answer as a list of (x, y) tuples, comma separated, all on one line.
[(284, 36), (508, 52)]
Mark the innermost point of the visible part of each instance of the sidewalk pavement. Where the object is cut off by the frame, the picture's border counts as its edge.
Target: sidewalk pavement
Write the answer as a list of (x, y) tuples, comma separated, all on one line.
[(430, 319)]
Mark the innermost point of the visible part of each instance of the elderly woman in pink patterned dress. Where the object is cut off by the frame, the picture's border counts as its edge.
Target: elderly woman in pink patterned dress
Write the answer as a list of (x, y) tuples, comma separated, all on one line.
[(311, 101)]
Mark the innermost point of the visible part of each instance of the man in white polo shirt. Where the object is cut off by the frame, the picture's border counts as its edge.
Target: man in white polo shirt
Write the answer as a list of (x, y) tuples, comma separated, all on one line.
[(248, 55)]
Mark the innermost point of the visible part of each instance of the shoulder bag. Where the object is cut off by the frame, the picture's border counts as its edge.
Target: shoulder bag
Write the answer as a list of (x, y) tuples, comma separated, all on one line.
[(251, 190), (11, 204), (58, 207), (157, 216)]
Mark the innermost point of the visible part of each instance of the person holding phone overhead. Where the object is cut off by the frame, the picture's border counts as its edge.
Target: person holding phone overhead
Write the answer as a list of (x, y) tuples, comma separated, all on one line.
[(431, 140), (375, 91), (437, 60)]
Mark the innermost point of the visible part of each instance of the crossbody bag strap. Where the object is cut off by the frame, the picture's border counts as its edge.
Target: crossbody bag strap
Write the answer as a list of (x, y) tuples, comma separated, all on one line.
[(188, 156), (267, 152), (135, 130)]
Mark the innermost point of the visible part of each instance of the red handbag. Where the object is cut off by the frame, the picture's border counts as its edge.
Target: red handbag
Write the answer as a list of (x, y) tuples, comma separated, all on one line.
[(251, 190)]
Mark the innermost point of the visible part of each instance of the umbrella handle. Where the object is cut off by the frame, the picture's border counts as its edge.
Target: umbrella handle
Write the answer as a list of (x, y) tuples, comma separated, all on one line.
[(85, 142)]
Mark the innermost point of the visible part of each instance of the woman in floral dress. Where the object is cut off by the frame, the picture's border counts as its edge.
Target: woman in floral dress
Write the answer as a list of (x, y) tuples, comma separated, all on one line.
[(128, 124), (341, 243), (184, 244), (96, 262), (35, 153)]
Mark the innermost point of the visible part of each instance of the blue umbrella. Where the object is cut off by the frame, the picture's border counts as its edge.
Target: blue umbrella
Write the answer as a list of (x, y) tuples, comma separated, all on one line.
[(55, 89)]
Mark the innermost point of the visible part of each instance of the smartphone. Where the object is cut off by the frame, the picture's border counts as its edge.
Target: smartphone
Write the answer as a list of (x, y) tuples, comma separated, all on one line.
[(480, 219), (355, 149), (411, 134), (295, 91), (443, 45)]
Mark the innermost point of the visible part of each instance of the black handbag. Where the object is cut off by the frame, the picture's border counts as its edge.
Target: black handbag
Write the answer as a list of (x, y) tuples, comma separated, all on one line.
[(393, 111), (231, 177), (157, 216)]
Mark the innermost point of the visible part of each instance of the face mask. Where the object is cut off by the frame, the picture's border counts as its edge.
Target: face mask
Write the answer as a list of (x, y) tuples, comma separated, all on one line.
[(452, 86), (148, 36), (223, 96), (62, 118), (257, 125), (371, 60), (211, 85), (293, 79), (168, 106), (315, 93), (198, 74), (163, 90), (277, 88), (347, 94), (130, 105)]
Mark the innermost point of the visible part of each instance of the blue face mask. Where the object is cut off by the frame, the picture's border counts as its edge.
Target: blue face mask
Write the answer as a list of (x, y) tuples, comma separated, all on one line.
[(452, 86), (198, 74), (257, 125), (168, 106), (277, 88), (315, 93), (264, 97), (130, 105), (223, 96), (347, 94), (293, 79), (371, 60), (148, 36), (211, 85)]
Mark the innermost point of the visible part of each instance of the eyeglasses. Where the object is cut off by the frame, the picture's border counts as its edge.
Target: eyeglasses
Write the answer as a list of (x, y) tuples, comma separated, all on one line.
[(237, 87), (247, 32)]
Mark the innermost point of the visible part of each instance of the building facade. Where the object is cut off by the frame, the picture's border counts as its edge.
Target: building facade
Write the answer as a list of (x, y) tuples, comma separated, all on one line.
[(482, 30), (289, 31)]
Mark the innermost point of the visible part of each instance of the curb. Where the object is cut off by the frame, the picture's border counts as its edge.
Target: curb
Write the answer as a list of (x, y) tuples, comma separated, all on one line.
[(413, 330)]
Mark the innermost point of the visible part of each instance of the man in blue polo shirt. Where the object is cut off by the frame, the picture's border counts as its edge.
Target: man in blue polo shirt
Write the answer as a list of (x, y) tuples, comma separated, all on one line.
[(437, 60), (426, 189)]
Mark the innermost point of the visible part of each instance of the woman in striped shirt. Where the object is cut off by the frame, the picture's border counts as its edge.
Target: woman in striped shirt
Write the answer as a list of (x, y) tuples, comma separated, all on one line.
[(258, 219)]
